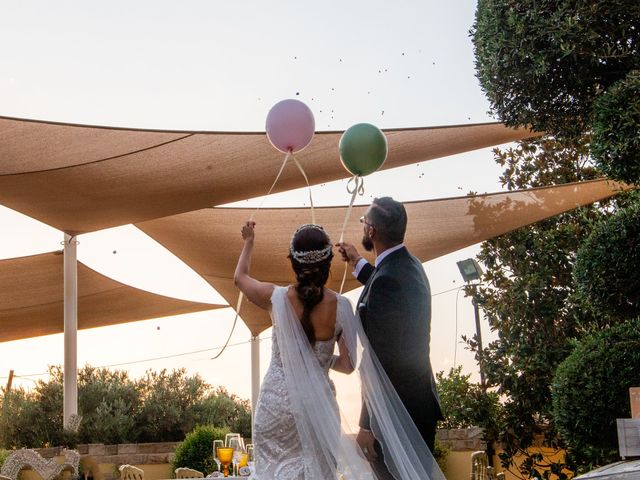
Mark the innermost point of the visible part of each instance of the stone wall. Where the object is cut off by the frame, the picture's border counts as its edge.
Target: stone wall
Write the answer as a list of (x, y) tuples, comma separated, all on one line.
[(124, 453), (462, 439)]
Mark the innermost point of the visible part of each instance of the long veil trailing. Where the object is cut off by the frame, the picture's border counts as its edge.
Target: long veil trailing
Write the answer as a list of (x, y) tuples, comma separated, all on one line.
[(325, 442)]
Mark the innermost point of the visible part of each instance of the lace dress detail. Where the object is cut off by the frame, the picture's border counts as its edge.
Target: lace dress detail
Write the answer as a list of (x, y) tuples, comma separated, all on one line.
[(278, 451)]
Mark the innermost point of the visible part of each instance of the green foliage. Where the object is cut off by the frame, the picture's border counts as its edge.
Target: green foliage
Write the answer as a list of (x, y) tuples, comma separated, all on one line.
[(465, 404), (108, 404), (528, 294), (226, 409), (4, 454), (440, 453), (160, 407), (196, 450), (170, 404), (591, 390), (616, 127), (608, 264), (542, 63)]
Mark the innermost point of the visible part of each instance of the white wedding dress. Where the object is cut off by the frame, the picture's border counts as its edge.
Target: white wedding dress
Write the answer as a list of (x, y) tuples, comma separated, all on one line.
[(278, 450), (297, 431)]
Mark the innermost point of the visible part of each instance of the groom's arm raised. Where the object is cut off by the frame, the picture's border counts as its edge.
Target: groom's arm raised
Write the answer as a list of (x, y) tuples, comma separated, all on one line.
[(256, 291), (361, 268)]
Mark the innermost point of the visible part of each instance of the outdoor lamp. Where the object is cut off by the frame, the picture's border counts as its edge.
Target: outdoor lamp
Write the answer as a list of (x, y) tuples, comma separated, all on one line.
[(469, 269)]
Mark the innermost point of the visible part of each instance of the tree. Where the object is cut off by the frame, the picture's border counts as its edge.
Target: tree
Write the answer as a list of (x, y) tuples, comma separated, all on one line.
[(163, 406), (465, 404), (528, 296), (226, 409), (608, 263), (542, 63), (591, 390), (170, 405), (108, 403)]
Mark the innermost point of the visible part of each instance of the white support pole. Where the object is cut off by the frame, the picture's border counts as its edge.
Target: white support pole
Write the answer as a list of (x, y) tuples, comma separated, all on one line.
[(70, 381), (255, 373)]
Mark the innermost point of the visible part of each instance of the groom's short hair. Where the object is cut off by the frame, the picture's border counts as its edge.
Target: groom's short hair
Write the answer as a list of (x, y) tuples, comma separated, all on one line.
[(389, 218)]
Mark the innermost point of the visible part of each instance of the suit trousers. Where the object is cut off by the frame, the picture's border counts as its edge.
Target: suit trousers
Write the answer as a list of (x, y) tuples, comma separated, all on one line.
[(378, 465)]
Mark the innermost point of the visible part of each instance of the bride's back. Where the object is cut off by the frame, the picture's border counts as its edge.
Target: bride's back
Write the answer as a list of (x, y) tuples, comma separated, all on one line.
[(323, 315)]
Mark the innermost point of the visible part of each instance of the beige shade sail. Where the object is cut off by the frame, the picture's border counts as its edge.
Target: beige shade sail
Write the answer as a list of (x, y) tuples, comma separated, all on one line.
[(32, 299), (80, 178), (209, 240)]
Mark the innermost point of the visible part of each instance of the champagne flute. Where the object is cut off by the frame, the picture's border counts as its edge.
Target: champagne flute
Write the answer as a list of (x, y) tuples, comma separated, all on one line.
[(229, 436), (250, 456), (216, 445), (238, 449)]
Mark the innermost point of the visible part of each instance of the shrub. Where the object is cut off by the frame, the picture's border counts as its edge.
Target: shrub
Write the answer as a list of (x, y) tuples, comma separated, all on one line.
[(607, 264), (591, 389), (616, 142), (196, 451), (3, 456), (440, 453), (465, 404)]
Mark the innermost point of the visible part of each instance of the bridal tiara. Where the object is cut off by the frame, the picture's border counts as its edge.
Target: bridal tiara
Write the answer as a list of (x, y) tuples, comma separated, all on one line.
[(311, 256)]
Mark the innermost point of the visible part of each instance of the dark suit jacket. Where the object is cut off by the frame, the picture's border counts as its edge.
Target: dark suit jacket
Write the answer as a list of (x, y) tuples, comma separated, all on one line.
[(395, 310)]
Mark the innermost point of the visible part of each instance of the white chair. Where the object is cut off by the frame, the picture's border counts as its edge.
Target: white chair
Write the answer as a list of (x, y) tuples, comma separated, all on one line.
[(129, 472), (480, 469), (184, 472)]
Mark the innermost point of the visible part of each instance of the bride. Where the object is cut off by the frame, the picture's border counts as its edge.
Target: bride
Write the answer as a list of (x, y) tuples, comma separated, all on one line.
[(297, 432)]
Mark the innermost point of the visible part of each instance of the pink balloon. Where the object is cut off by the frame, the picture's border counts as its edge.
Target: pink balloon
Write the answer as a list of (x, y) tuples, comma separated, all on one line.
[(290, 125)]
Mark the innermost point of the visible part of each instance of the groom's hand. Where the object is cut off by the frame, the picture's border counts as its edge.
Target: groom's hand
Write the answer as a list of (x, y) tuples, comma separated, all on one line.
[(366, 441), (349, 253)]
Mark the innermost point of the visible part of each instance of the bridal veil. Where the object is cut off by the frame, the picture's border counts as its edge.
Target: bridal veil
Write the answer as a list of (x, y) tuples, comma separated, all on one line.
[(325, 439)]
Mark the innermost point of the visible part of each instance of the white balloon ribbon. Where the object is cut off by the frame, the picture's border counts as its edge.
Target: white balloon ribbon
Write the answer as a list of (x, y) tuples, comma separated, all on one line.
[(241, 295), (251, 218), (306, 179), (356, 189)]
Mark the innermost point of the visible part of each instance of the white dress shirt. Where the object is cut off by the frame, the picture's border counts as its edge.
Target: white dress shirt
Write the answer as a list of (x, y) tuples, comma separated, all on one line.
[(361, 263)]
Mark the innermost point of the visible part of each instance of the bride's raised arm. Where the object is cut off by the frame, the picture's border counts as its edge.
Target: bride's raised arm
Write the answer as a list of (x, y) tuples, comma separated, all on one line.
[(256, 291)]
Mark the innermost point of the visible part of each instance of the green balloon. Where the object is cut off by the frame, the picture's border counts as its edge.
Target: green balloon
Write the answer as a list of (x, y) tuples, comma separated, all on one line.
[(363, 149)]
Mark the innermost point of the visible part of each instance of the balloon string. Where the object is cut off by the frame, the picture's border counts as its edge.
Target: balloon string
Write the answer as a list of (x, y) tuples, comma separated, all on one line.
[(241, 295), (313, 213), (284, 163), (358, 189)]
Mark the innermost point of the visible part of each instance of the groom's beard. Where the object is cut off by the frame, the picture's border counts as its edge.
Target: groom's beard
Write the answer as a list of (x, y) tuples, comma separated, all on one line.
[(367, 243)]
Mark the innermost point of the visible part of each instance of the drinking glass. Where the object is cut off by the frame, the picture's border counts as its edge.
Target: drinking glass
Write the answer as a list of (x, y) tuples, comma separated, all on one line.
[(225, 455), (229, 436), (216, 445), (250, 457), (238, 450)]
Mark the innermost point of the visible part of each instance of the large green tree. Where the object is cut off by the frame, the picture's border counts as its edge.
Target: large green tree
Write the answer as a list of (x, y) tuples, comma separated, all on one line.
[(528, 296), (544, 62)]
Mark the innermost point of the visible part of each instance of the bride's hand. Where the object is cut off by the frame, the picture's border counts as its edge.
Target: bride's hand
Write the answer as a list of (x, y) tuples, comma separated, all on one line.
[(248, 232)]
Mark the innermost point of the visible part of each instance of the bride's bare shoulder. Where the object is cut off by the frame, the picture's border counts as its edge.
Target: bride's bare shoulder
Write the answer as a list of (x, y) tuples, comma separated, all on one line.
[(330, 295)]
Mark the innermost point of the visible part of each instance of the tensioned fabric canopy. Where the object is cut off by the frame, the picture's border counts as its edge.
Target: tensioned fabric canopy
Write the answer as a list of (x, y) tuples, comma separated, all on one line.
[(80, 178), (209, 240), (31, 299)]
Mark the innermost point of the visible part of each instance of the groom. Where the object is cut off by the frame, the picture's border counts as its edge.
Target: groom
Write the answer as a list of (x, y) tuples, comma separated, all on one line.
[(395, 311)]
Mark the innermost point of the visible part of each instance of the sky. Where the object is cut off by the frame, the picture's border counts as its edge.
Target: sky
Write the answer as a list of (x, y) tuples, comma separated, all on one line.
[(209, 65)]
